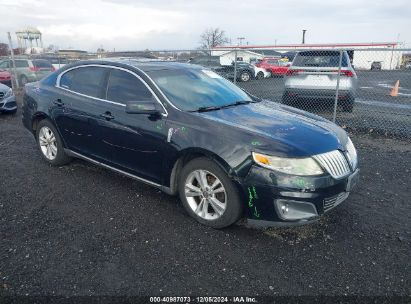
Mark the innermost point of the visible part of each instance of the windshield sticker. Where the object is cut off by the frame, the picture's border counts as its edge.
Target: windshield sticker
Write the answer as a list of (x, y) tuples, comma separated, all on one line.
[(211, 74)]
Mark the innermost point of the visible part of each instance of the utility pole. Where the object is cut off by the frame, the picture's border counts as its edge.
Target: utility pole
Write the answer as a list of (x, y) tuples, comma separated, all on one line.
[(303, 42), (14, 63), (240, 40)]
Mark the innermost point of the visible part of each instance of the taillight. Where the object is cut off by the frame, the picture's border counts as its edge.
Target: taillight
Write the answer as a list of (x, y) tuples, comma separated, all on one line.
[(347, 73), (291, 72), (34, 69)]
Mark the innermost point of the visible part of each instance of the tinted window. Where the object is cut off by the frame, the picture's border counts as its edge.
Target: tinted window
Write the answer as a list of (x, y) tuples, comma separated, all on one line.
[(4, 64), (42, 64), (190, 89), (87, 81), (319, 59), (21, 63), (123, 87)]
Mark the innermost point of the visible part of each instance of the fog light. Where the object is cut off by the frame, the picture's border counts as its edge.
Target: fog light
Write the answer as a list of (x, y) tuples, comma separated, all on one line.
[(295, 210)]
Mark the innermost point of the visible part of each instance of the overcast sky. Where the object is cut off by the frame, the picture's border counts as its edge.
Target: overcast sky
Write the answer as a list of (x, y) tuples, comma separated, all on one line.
[(176, 24)]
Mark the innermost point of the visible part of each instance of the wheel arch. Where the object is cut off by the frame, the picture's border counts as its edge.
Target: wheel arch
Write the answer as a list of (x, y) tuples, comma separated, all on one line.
[(35, 120), (186, 155)]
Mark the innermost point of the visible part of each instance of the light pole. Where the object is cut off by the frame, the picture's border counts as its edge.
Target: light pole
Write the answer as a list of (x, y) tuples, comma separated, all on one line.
[(303, 42), (240, 40)]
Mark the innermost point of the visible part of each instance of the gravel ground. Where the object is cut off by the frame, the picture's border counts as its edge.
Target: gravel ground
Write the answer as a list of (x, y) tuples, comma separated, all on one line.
[(84, 230)]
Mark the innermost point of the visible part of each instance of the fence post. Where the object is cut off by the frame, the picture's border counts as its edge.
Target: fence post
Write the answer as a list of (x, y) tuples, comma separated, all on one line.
[(14, 63), (338, 86), (235, 66)]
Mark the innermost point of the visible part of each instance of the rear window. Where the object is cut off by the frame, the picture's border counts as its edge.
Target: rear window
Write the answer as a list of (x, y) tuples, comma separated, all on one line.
[(42, 64), (319, 59)]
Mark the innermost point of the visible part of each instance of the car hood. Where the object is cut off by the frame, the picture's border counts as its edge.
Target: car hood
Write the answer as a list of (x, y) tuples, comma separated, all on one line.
[(303, 133)]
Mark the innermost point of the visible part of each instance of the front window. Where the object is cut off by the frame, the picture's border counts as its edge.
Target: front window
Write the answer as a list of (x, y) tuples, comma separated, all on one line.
[(123, 87), (191, 89)]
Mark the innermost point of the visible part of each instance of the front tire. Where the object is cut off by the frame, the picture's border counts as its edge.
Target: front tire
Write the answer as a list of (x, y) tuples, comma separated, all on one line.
[(260, 75), (51, 144), (208, 194)]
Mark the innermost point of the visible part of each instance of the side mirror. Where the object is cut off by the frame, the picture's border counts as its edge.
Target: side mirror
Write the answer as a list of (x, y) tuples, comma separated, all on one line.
[(141, 107)]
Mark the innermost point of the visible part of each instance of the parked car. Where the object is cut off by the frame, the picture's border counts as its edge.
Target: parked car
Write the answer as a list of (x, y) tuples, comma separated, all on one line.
[(29, 70), (7, 100), (245, 72), (376, 65), (5, 77), (313, 77), (187, 130), (260, 73), (275, 66)]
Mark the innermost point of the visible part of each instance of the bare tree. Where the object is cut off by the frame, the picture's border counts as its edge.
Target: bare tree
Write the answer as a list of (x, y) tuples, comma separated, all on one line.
[(212, 37)]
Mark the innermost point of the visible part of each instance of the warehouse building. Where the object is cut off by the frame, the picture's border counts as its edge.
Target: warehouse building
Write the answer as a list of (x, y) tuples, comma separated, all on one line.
[(362, 54)]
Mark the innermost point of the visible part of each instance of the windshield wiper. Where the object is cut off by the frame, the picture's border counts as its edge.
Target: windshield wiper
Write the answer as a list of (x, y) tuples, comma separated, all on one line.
[(237, 103), (206, 109), (214, 108)]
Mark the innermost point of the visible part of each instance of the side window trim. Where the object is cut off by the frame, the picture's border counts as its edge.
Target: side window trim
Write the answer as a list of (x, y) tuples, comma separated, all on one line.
[(165, 113)]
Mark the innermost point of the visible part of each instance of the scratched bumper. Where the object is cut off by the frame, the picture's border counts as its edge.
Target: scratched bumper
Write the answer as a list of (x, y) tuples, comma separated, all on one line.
[(276, 197)]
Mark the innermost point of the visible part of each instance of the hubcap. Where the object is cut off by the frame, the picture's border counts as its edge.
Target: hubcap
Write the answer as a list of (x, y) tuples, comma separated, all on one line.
[(205, 194), (48, 144), (245, 77)]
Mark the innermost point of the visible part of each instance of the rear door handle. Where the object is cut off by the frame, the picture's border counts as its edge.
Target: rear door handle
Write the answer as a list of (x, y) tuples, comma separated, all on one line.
[(107, 116), (58, 102)]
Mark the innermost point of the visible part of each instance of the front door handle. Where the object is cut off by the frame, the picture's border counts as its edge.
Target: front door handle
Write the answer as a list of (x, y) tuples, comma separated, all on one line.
[(107, 116), (58, 102)]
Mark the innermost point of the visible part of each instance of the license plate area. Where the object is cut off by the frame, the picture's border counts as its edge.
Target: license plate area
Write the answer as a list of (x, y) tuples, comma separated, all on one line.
[(352, 180)]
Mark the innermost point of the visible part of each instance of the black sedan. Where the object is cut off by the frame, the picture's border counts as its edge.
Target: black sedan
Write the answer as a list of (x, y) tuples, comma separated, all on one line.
[(187, 130)]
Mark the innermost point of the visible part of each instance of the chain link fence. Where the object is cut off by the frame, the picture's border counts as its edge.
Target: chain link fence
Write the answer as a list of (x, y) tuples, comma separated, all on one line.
[(365, 90)]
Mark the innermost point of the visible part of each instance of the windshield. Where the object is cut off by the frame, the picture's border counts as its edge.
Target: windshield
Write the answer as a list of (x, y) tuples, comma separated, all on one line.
[(192, 89)]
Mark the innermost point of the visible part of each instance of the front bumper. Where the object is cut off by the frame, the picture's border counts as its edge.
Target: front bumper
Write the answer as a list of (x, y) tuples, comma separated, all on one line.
[(8, 104), (286, 199)]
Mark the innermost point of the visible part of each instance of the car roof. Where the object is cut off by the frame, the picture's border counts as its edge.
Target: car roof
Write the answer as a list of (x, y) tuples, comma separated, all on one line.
[(143, 64)]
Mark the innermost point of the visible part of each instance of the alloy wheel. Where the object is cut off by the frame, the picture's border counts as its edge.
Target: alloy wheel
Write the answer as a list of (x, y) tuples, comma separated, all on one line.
[(245, 77), (48, 143), (205, 194)]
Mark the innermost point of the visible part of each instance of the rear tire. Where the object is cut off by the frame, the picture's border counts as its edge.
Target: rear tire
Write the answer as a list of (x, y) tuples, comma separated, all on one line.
[(260, 75), (50, 144), (23, 80), (348, 106), (245, 76), (208, 194)]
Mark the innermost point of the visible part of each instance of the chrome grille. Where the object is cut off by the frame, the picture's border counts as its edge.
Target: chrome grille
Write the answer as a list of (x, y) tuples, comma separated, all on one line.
[(335, 163), (331, 202)]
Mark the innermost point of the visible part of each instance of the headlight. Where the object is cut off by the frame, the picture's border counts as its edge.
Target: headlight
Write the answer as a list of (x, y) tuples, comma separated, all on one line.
[(352, 153), (294, 166), (8, 93)]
